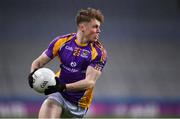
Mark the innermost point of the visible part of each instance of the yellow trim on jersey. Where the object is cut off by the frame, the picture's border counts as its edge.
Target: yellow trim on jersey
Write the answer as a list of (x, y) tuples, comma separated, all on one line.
[(86, 100), (59, 44), (85, 44), (94, 52), (58, 73)]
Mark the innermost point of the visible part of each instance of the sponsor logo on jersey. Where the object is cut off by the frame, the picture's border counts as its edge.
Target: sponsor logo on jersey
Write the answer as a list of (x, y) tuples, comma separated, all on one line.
[(69, 69), (68, 48), (73, 64)]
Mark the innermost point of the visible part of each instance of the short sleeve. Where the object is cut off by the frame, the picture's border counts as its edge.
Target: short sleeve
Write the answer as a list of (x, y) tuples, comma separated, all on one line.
[(56, 44), (52, 49), (100, 60)]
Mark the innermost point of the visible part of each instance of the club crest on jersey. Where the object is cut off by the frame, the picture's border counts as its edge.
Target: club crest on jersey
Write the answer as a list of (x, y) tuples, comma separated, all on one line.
[(85, 53), (73, 64)]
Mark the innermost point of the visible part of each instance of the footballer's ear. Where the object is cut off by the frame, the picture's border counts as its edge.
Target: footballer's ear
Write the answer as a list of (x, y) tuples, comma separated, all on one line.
[(82, 26)]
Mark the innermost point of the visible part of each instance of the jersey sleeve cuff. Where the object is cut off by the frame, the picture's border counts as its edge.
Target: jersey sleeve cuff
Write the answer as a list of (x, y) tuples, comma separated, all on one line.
[(49, 54)]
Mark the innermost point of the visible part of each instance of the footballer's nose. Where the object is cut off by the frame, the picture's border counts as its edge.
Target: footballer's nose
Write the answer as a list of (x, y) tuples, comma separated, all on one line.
[(98, 30)]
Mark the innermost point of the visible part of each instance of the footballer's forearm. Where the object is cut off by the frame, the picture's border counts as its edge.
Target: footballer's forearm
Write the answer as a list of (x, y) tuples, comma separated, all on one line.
[(35, 65), (89, 82), (40, 62), (80, 85)]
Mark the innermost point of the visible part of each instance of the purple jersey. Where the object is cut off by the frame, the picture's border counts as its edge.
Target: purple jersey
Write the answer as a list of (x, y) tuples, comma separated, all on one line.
[(74, 60)]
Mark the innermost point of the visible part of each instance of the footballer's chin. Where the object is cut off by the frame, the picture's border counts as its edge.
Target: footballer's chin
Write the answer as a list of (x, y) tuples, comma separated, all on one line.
[(94, 39), (97, 37)]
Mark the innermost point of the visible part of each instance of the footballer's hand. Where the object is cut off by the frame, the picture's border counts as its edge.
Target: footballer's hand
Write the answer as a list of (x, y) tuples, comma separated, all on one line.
[(57, 88), (30, 78)]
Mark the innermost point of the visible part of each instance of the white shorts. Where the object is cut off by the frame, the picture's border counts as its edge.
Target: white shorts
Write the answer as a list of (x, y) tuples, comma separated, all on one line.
[(69, 110)]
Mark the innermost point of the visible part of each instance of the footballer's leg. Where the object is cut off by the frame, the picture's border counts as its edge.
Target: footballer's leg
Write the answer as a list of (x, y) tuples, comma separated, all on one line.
[(50, 109)]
